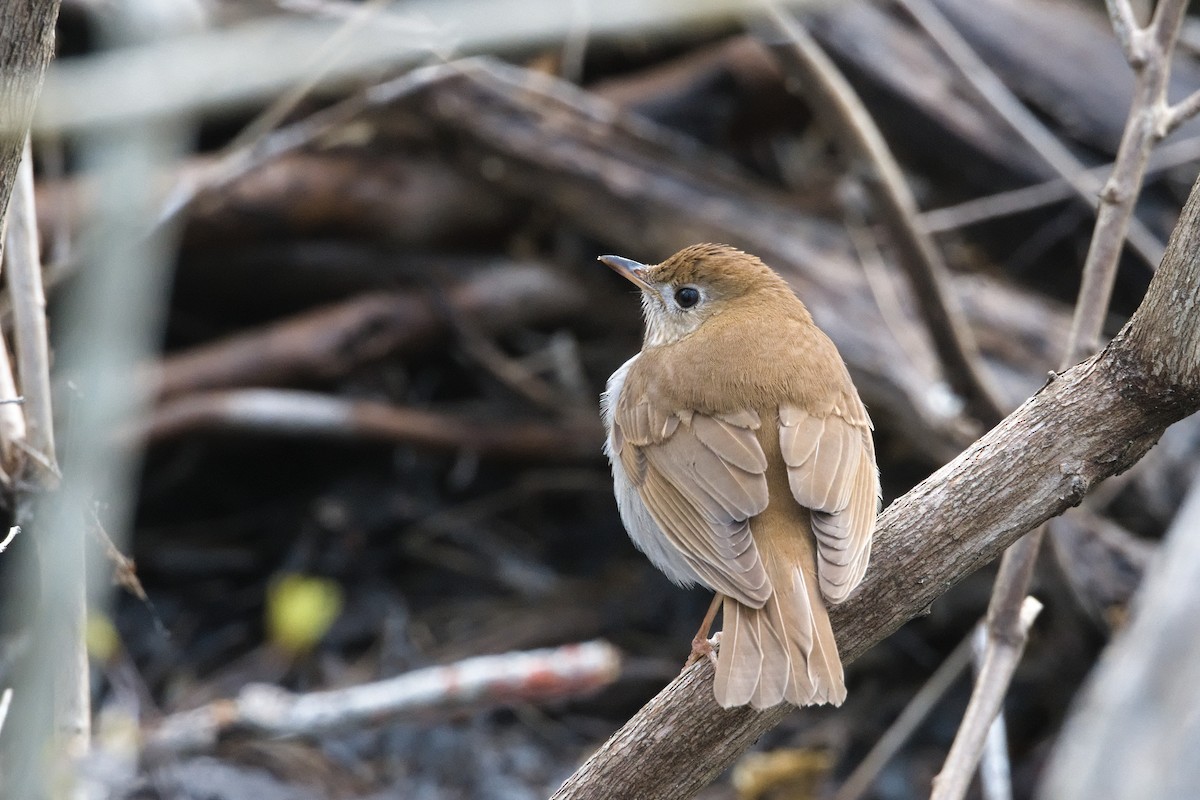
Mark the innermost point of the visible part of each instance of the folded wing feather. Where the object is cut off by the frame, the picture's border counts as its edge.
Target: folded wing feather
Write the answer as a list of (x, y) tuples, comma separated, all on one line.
[(831, 470), (702, 477)]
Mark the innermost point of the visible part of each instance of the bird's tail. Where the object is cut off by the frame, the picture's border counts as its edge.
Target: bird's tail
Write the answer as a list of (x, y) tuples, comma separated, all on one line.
[(782, 651)]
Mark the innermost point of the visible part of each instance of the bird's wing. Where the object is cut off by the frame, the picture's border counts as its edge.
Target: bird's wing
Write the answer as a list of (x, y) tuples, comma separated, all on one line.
[(830, 460), (702, 477)]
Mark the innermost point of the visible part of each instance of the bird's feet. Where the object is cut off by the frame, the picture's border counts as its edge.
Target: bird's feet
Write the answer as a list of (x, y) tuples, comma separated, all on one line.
[(704, 648)]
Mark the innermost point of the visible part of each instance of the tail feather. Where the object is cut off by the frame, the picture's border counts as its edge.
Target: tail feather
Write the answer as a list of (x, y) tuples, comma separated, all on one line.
[(782, 651), (737, 679)]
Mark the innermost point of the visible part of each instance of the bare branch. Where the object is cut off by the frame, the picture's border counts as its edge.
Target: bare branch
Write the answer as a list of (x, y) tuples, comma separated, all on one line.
[(1120, 193), (12, 534), (999, 664), (995, 773), (1177, 114), (1164, 27), (1129, 33)]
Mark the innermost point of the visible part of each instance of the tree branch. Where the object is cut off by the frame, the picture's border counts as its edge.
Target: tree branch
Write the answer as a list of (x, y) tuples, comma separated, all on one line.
[(999, 663), (1126, 27), (1093, 421), (1143, 130)]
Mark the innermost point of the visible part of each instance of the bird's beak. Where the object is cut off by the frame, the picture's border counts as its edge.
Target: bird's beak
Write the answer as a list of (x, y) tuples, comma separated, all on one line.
[(632, 271)]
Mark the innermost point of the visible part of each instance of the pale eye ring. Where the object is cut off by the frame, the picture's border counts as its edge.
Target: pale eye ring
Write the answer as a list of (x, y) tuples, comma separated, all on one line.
[(687, 296)]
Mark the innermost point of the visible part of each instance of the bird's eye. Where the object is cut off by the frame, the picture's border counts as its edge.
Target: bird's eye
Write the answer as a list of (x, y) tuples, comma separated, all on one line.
[(687, 296)]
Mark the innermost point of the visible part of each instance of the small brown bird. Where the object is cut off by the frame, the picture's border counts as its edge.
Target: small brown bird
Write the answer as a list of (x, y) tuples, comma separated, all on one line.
[(742, 460)]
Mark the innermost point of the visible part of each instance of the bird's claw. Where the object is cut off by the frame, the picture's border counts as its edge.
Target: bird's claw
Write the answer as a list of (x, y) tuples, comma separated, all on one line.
[(704, 648)]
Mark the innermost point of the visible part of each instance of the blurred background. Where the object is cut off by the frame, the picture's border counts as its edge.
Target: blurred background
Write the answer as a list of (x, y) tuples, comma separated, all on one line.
[(365, 237)]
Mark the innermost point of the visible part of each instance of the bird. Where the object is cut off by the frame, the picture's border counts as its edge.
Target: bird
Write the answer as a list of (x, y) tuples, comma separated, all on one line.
[(743, 461)]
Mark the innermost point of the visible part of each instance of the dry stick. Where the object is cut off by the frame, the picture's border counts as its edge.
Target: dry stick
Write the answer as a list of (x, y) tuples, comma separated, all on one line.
[(1027, 198), (848, 120), (12, 421), (23, 271), (299, 413), (327, 342), (1024, 123), (1093, 421), (12, 534), (1006, 635), (998, 667), (5, 702), (995, 773), (923, 702), (505, 679)]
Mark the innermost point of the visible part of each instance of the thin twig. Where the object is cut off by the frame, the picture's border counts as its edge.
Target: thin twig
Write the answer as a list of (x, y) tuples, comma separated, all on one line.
[(124, 568), (12, 534), (923, 702), (996, 673), (1125, 26), (12, 421), (24, 276), (1023, 122), (848, 120), (1027, 198), (995, 775), (1179, 113), (5, 702), (1142, 131), (318, 65)]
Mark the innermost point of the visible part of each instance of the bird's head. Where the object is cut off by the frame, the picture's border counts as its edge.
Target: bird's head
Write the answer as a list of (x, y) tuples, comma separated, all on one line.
[(698, 284)]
